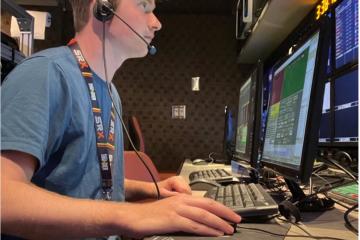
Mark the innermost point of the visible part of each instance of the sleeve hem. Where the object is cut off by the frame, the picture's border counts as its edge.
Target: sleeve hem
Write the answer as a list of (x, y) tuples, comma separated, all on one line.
[(22, 146)]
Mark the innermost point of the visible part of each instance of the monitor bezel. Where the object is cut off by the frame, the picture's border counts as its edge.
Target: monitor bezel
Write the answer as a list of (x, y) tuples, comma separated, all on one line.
[(252, 156), (315, 105)]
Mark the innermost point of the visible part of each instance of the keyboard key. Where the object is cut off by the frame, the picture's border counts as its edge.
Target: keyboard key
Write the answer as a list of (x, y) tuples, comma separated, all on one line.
[(221, 192), (240, 198), (218, 175), (256, 193), (246, 196)]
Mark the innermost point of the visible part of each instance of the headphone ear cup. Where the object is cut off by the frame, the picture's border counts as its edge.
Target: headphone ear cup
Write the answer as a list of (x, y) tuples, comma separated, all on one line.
[(103, 10), (289, 210)]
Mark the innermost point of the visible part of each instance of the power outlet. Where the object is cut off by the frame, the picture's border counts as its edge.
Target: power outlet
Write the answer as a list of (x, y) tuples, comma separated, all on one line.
[(178, 111)]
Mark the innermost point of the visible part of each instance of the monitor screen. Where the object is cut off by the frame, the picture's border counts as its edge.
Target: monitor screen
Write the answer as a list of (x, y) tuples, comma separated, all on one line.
[(346, 108), (249, 118), (324, 134), (329, 63), (243, 118), (289, 109), (346, 28)]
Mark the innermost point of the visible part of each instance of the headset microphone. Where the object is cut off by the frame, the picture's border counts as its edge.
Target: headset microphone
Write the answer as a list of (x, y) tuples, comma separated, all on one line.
[(104, 11), (152, 49)]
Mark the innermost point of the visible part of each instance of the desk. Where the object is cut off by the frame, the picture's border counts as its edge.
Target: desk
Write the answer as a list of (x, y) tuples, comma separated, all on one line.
[(328, 223)]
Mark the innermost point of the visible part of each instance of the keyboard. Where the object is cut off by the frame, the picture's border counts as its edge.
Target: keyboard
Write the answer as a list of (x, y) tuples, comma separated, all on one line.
[(247, 200), (347, 194), (218, 175)]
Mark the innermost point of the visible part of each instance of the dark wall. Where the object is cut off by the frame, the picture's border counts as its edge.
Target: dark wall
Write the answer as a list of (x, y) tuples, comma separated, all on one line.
[(188, 46)]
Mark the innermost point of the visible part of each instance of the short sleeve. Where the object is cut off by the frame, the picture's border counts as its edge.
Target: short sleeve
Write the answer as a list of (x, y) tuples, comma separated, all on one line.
[(31, 99)]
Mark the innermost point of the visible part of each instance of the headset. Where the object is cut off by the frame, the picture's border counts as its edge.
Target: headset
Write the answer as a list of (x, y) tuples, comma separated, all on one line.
[(104, 11)]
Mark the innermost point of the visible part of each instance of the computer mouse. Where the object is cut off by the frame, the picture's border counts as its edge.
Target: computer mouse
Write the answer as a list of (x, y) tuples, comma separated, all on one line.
[(203, 185), (199, 161)]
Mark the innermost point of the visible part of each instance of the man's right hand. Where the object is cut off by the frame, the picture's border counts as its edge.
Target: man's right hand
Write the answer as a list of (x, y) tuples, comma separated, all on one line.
[(181, 213)]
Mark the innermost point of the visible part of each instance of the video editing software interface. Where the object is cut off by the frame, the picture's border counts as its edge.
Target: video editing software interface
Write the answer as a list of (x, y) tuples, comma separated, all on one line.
[(346, 30), (289, 105), (339, 121)]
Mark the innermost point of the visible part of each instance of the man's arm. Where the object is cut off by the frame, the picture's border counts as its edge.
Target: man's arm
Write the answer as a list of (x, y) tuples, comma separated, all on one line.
[(34, 213), (138, 190)]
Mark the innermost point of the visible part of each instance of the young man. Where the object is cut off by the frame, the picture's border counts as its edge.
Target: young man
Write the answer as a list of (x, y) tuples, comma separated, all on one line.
[(52, 177)]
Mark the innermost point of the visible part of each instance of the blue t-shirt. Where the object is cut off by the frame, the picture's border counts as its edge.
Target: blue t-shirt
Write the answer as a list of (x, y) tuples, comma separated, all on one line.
[(46, 112)]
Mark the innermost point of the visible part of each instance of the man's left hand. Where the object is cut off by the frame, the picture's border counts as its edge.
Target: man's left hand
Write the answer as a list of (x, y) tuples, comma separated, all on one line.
[(173, 186)]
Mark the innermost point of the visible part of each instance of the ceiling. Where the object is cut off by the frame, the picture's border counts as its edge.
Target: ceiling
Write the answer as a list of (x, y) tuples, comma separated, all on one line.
[(275, 24), (223, 7)]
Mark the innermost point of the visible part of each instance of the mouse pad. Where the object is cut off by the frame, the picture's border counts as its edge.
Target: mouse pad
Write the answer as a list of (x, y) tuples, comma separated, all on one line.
[(242, 233)]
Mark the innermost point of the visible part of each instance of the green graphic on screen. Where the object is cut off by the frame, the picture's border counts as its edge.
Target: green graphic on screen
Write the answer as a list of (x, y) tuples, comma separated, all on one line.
[(289, 104), (243, 115)]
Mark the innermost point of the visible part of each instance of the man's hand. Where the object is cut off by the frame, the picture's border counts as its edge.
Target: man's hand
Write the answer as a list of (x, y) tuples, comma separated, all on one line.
[(173, 186), (180, 213), (139, 190)]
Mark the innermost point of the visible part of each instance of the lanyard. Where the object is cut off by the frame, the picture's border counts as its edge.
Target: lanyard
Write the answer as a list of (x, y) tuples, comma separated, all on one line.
[(105, 146)]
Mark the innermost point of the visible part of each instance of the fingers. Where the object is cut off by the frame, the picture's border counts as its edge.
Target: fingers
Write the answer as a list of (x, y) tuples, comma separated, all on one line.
[(214, 207), (181, 186), (190, 226), (166, 193), (173, 186), (207, 219)]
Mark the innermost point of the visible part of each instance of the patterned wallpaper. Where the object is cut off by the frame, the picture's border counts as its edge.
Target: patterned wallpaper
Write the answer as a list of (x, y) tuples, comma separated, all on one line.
[(188, 46)]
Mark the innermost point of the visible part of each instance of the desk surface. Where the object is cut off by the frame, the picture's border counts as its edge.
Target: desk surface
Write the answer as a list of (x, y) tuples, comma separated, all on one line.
[(328, 223)]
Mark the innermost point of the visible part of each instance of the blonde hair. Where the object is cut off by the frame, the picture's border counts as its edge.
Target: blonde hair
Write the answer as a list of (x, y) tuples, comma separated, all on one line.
[(81, 12)]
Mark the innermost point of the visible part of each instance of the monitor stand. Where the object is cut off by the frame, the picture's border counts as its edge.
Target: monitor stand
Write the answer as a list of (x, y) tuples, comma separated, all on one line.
[(308, 203)]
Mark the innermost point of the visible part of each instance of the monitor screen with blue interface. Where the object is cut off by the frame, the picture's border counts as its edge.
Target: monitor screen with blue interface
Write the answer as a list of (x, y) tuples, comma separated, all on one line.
[(346, 28), (243, 118), (289, 105), (324, 133), (346, 108)]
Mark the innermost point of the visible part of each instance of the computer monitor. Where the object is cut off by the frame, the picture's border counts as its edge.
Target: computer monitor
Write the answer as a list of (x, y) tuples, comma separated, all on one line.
[(292, 129), (346, 109), (346, 29), (248, 127), (325, 127)]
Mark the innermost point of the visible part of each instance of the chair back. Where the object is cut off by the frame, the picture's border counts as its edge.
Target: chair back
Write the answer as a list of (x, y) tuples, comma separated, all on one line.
[(136, 134), (135, 169)]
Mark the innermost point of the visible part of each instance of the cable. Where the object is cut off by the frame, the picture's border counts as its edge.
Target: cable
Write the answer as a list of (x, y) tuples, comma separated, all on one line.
[(347, 222), (327, 183), (345, 154), (341, 168), (290, 235), (297, 225), (322, 191), (211, 158), (119, 115), (337, 202)]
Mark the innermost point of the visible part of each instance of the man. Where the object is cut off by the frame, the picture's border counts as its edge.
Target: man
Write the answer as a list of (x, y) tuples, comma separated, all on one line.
[(52, 177)]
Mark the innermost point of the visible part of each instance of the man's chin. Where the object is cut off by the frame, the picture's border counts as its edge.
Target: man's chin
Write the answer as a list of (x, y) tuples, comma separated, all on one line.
[(140, 55)]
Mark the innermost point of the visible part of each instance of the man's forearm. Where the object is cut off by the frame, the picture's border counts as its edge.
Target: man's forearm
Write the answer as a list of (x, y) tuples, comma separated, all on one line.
[(138, 190), (33, 213)]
